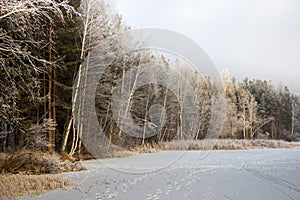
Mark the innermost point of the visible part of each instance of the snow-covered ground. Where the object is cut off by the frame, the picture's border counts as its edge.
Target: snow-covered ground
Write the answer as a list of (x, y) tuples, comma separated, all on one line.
[(246, 174)]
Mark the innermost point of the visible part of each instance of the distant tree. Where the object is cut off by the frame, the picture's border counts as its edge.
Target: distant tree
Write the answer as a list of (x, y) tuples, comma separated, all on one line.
[(203, 93), (295, 130), (232, 122), (274, 107)]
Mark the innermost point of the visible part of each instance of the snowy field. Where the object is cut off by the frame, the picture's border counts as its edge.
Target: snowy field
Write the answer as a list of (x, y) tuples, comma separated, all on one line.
[(246, 174)]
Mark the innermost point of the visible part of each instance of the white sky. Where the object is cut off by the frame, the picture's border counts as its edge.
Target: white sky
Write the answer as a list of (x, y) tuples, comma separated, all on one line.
[(252, 38)]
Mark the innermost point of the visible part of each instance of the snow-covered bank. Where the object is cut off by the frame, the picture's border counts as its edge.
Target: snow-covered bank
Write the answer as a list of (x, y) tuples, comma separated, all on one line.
[(225, 144), (248, 174)]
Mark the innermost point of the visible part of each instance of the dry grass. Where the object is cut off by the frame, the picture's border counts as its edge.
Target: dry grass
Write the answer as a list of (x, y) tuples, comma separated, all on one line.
[(224, 144), (36, 162), (24, 172), (14, 185), (119, 152)]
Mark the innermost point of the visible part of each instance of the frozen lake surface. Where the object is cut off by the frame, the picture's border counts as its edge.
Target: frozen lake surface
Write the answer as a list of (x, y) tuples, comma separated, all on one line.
[(246, 174)]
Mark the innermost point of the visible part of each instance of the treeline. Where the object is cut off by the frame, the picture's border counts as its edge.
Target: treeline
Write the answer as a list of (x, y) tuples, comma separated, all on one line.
[(258, 109), (42, 46), (254, 109)]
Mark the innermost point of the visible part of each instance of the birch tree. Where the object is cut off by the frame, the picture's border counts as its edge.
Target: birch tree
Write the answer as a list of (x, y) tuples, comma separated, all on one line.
[(100, 24)]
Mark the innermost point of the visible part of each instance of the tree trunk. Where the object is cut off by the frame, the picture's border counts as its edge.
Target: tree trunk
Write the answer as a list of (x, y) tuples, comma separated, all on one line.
[(54, 106), (51, 132), (66, 135), (293, 118)]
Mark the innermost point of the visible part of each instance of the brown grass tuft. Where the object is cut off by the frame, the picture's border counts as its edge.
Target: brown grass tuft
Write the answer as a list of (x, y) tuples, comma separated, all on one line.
[(36, 162), (13, 185)]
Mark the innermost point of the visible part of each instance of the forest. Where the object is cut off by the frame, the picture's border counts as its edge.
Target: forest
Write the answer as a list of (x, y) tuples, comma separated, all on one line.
[(43, 44)]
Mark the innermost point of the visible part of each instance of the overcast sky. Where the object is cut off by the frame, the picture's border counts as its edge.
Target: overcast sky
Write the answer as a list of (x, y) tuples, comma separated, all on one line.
[(252, 38)]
